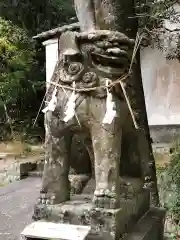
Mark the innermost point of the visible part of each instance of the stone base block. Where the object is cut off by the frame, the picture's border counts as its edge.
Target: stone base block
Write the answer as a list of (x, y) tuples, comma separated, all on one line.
[(105, 223), (150, 226)]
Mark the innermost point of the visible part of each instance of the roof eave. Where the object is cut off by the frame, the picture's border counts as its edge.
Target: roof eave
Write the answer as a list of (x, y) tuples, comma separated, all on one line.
[(56, 32)]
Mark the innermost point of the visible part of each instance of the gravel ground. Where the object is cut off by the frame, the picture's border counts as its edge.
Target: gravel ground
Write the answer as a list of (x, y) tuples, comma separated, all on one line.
[(16, 207)]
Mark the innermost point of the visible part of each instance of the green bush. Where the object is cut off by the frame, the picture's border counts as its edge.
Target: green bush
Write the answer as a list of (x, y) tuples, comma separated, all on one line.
[(169, 184), (16, 58), (174, 172), (19, 86)]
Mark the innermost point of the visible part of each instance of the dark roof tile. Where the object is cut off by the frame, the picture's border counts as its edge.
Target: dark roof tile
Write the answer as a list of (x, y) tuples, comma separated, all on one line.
[(56, 31)]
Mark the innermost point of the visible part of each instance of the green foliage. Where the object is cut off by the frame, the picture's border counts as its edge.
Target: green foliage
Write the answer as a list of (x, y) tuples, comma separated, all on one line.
[(169, 190), (22, 68), (16, 57), (18, 96), (37, 15), (151, 12), (174, 172)]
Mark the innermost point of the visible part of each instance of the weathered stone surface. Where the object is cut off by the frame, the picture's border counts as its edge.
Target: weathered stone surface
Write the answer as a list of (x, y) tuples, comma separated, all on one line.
[(134, 202), (151, 226), (90, 111), (80, 161), (80, 211)]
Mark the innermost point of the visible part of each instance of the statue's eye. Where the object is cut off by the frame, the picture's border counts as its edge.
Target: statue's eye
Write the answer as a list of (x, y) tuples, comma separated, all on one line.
[(75, 68)]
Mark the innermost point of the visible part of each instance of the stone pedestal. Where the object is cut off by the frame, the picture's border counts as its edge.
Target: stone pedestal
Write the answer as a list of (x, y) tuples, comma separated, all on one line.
[(109, 223), (139, 222)]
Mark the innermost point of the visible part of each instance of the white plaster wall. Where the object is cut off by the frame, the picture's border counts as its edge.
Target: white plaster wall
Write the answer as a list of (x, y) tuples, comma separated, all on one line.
[(51, 48), (161, 82)]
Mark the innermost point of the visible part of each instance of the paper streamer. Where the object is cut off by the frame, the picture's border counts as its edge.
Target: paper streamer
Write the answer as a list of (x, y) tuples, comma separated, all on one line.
[(52, 104), (110, 107), (70, 107)]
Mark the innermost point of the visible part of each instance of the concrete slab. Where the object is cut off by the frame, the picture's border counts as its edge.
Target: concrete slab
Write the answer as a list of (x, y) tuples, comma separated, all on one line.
[(50, 230)]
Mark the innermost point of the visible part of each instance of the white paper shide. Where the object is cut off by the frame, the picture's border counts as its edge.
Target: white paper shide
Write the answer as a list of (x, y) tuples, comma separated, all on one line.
[(110, 107)]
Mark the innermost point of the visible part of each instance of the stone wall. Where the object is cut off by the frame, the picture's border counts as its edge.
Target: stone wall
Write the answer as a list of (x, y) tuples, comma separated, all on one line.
[(161, 87), (14, 171), (165, 133)]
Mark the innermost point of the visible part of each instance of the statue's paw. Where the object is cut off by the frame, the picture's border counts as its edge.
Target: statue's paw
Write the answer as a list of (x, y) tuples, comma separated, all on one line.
[(106, 192), (99, 192), (104, 198), (46, 199)]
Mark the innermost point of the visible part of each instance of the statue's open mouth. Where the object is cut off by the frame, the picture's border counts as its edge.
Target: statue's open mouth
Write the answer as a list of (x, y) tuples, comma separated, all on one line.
[(113, 65)]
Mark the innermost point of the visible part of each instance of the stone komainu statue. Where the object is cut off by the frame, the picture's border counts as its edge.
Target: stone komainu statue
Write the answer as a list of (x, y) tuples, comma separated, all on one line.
[(85, 97), (96, 93)]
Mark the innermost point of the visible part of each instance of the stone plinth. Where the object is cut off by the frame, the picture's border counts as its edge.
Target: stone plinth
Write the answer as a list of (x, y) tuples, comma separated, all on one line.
[(105, 223), (109, 224)]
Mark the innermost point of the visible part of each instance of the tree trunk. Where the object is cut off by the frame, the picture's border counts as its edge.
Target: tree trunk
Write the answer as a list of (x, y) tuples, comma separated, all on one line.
[(125, 21), (138, 105)]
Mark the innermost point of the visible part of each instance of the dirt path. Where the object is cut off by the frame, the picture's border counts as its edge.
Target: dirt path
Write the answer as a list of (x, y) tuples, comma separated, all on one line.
[(16, 207)]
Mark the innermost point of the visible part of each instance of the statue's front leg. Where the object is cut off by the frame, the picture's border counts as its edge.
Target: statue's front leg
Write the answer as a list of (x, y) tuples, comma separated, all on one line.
[(106, 140), (55, 183)]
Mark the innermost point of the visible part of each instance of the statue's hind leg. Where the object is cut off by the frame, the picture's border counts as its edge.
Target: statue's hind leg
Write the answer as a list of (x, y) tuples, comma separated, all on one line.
[(55, 183)]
